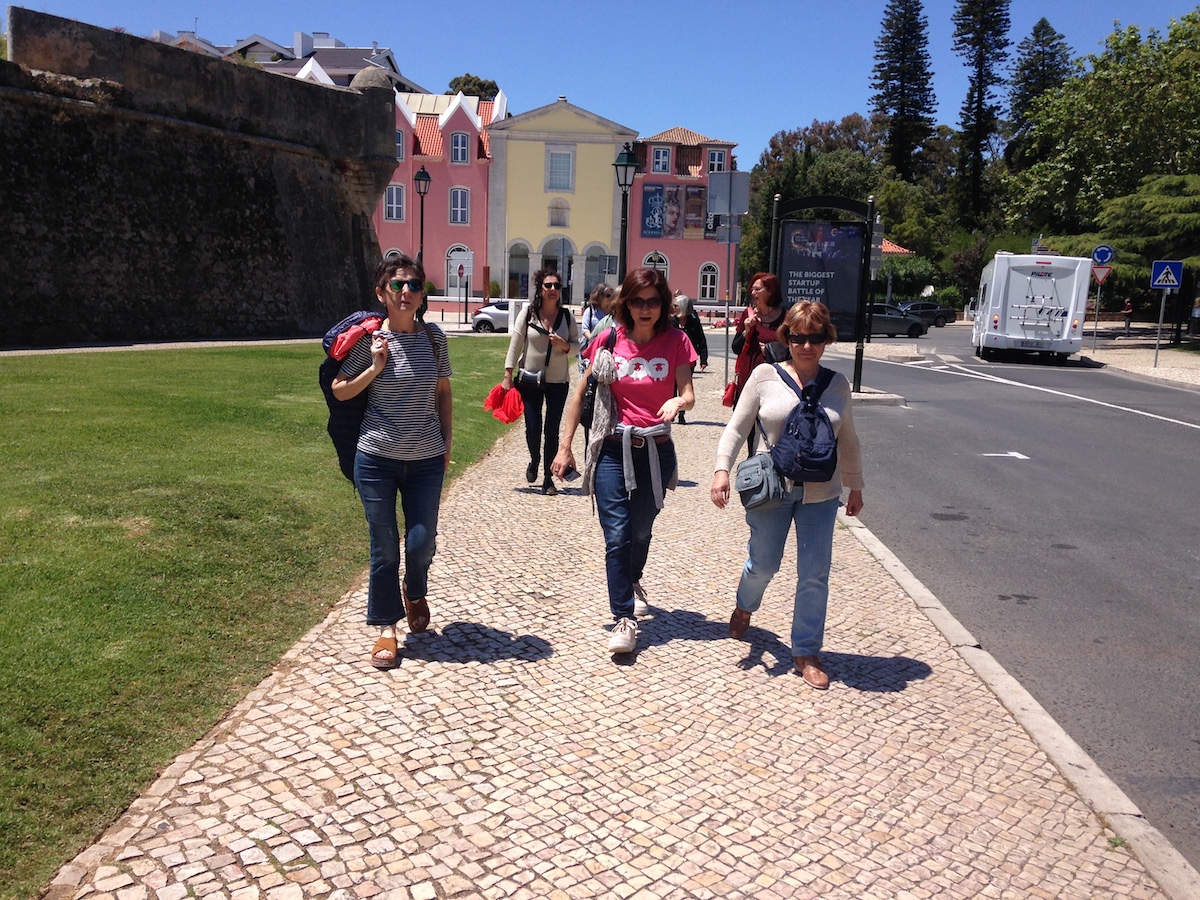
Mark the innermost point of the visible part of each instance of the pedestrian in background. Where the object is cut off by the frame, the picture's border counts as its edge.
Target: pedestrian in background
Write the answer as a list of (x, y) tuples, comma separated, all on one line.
[(544, 336), (403, 448), (684, 316), (644, 381), (809, 507), (755, 340), (1127, 312)]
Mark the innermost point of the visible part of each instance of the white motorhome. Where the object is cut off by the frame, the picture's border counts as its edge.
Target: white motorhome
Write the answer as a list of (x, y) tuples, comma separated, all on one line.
[(1031, 302)]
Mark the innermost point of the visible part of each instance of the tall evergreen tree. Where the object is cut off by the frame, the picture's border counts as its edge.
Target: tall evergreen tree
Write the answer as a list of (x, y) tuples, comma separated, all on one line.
[(903, 85), (1043, 64), (981, 38)]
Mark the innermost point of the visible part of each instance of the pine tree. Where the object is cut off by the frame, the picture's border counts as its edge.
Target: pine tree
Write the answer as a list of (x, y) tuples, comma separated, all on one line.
[(981, 38), (902, 82), (1043, 64)]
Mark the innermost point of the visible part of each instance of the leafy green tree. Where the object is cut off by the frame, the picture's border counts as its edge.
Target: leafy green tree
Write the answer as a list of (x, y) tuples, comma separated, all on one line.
[(1130, 113), (474, 86), (903, 85), (981, 38), (843, 173)]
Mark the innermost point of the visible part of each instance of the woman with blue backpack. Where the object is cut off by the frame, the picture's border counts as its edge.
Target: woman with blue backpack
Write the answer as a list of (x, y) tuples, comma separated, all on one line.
[(776, 396), (403, 449)]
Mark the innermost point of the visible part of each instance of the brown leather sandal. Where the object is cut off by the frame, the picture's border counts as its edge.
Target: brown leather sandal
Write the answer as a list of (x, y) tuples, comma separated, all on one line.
[(417, 614), (385, 645)]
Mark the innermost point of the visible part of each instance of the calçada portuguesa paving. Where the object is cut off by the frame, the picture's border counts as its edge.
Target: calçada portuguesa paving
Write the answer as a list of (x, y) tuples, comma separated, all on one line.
[(511, 756)]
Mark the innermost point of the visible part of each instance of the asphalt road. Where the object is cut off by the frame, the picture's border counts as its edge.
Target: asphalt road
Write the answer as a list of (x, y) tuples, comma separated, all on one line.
[(1053, 510)]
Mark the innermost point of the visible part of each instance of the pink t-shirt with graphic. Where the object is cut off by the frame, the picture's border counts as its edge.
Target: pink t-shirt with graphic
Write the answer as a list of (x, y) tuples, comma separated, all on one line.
[(645, 372)]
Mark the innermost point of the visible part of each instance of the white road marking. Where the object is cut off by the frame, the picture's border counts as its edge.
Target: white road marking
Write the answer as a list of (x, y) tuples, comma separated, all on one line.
[(1011, 453), (984, 376)]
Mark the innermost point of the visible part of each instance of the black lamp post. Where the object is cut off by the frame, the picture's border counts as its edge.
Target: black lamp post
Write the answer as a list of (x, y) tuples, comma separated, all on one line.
[(422, 180), (625, 166)]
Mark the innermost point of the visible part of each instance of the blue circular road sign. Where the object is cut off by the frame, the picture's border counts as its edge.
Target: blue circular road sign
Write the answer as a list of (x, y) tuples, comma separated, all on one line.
[(1103, 255)]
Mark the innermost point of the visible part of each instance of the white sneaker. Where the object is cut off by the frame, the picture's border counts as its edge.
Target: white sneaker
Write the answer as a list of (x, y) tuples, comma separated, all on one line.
[(640, 607), (623, 638)]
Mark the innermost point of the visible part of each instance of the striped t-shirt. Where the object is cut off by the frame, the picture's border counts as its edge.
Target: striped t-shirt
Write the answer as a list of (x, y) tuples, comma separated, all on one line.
[(401, 421)]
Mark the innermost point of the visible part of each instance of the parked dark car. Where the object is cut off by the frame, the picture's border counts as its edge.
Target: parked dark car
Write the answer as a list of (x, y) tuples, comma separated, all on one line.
[(892, 320), (493, 317), (931, 313)]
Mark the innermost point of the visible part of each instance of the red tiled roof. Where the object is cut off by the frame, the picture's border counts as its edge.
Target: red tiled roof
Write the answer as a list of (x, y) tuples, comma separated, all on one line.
[(429, 138), (683, 136), (895, 249)]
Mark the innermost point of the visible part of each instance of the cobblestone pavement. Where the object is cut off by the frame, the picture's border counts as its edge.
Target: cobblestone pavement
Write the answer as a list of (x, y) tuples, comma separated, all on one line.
[(511, 756)]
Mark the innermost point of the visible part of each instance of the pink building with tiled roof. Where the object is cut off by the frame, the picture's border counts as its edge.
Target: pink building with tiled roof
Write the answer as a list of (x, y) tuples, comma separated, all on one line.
[(669, 226), (445, 136)]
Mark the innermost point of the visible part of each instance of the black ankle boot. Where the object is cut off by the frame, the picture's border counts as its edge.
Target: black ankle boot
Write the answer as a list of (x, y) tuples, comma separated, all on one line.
[(548, 487), (531, 472)]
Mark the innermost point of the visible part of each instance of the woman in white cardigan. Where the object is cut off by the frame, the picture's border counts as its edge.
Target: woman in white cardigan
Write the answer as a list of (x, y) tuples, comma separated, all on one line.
[(809, 507)]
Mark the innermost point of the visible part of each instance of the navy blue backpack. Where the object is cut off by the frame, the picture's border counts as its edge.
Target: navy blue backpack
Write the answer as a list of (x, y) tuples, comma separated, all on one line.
[(807, 448), (345, 416)]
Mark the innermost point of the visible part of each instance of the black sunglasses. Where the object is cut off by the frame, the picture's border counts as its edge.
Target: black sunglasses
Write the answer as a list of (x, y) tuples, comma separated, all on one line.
[(413, 284), (551, 285), (815, 339)]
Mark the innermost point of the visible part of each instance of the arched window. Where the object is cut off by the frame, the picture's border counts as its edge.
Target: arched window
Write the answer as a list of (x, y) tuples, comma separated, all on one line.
[(708, 283), (453, 260), (458, 147), (657, 261)]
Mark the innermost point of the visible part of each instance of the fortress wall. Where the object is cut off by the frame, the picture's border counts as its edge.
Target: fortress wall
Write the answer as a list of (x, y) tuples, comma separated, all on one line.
[(150, 193)]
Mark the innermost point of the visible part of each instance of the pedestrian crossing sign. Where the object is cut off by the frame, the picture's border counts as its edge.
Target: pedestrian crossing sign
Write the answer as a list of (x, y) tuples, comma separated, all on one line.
[(1166, 274)]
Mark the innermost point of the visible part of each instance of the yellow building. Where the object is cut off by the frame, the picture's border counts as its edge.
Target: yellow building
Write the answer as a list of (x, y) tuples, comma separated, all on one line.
[(553, 198)]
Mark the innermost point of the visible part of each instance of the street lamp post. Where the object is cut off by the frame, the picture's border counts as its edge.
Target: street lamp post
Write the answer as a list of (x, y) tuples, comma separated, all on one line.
[(422, 180), (625, 166)]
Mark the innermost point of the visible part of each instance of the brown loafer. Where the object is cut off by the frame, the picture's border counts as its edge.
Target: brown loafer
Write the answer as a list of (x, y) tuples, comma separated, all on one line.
[(738, 623), (809, 668), (416, 612)]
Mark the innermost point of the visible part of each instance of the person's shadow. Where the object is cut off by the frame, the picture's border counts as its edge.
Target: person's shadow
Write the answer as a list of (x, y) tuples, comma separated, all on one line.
[(881, 674), (465, 642)]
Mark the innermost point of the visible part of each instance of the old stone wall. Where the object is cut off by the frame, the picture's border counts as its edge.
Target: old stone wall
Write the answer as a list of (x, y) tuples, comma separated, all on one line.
[(149, 193)]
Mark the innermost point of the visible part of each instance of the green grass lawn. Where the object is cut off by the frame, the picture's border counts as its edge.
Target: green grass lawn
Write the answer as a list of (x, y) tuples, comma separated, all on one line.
[(171, 521)]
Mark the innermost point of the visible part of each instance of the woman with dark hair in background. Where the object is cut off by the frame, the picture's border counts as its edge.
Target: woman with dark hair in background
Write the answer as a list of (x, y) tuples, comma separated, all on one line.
[(756, 340), (544, 336), (644, 381), (403, 448)]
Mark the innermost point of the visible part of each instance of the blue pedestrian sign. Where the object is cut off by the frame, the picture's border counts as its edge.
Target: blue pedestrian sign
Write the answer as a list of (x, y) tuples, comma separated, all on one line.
[(1166, 275), (1103, 255)]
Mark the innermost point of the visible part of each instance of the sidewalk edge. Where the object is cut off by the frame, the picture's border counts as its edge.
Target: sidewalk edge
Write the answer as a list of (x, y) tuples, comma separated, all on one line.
[(1174, 874)]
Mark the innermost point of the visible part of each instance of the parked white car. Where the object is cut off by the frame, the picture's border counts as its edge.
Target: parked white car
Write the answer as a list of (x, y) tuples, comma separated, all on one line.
[(493, 317)]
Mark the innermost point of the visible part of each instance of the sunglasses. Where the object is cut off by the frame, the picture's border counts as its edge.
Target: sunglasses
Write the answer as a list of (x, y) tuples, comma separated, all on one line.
[(415, 285), (551, 286), (644, 302), (815, 339)]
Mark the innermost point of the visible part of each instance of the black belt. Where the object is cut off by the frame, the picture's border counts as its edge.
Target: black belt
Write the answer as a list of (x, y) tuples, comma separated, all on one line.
[(637, 441)]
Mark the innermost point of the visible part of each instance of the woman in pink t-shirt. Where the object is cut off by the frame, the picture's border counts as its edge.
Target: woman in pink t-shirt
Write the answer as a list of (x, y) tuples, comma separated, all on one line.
[(630, 455)]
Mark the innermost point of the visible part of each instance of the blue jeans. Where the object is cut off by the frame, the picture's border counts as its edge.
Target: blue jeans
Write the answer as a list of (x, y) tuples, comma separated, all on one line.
[(814, 554), (419, 484), (554, 395), (627, 518)]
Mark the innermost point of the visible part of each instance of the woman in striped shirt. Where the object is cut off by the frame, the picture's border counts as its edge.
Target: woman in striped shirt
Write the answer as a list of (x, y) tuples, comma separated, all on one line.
[(403, 448)]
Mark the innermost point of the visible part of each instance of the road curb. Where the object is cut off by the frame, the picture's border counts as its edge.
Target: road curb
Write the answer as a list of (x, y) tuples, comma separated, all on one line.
[(1177, 877)]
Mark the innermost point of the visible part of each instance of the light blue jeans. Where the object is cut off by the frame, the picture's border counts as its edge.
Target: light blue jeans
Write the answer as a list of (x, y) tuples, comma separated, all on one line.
[(814, 554)]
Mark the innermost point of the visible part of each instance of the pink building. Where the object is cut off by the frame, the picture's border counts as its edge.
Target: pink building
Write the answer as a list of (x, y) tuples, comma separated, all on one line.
[(669, 227), (445, 136)]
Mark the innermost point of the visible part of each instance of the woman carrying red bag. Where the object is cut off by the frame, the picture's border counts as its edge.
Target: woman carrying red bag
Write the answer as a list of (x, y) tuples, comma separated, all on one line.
[(756, 340)]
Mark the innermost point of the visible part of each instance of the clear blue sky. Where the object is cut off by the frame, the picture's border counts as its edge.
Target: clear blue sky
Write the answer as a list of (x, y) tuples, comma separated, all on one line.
[(733, 71)]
